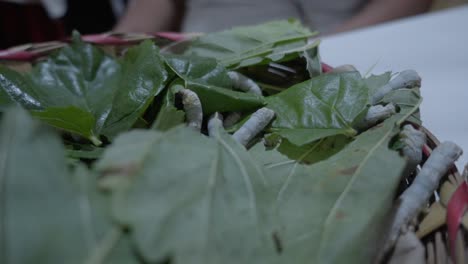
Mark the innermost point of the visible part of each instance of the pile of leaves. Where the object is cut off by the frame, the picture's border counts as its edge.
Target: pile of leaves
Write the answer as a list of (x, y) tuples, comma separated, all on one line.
[(98, 166)]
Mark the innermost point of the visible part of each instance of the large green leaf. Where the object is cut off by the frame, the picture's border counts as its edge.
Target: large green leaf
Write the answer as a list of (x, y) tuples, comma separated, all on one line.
[(142, 77), (46, 216), (169, 116), (108, 242), (273, 158), (72, 119), (324, 106), (210, 81), (335, 211), (15, 88), (245, 46), (313, 62), (316, 151), (5, 100), (190, 198), (199, 69), (82, 80), (406, 99), (374, 82)]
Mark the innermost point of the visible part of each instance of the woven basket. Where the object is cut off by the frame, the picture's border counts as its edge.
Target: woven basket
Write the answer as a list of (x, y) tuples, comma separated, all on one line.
[(444, 212)]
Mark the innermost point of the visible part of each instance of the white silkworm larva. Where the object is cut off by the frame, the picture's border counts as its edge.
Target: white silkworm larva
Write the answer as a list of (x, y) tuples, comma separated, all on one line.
[(413, 199), (413, 141), (406, 79), (215, 122), (242, 83), (256, 123), (375, 114), (193, 108)]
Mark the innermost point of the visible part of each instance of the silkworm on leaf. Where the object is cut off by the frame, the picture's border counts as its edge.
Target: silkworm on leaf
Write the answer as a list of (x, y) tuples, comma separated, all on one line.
[(413, 199), (375, 114), (413, 141), (256, 123), (193, 108), (242, 83), (406, 79), (214, 123)]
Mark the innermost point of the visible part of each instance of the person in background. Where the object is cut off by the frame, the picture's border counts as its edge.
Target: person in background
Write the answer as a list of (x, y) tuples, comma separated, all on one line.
[(26, 21), (326, 16)]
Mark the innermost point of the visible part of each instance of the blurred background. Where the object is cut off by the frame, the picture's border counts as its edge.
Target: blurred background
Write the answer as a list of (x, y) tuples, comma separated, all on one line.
[(375, 36), (25, 21)]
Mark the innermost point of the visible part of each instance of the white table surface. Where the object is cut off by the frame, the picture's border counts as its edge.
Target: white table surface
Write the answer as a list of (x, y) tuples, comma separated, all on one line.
[(436, 46)]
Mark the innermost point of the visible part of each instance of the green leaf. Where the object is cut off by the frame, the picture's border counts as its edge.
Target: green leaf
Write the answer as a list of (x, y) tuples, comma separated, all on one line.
[(16, 88), (302, 136), (5, 101), (108, 242), (261, 44), (272, 158), (316, 151), (190, 198), (198, 69), (142, 77), (215, 99), (374, 82), (210, 81), (72, 119), (39, 190), (48, 214), (324, 106), (335, 210), (83, 80), (169, 116), (313, 62), (406, 100)]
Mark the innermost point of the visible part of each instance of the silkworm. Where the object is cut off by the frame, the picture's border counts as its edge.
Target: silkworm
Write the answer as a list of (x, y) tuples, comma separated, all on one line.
[(413, 141), (242, 83), (406, 79), (256, 123), (375, 114), (413, 199), (193, 109)]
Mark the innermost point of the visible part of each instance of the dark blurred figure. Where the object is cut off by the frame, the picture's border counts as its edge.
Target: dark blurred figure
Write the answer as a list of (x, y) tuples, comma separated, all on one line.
[(25, 21), (89, 16), (327, 16)]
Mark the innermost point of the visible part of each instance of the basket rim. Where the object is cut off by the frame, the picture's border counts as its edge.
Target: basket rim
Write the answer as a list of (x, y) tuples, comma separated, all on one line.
[(31, 51)]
